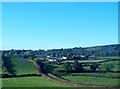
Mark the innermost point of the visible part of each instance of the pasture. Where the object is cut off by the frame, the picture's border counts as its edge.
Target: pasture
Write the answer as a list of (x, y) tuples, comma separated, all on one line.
[(112, 57), (25, 66), (19, 66), (31, 82), (83, 61), (93, 80), (113, 60), (97, 74)]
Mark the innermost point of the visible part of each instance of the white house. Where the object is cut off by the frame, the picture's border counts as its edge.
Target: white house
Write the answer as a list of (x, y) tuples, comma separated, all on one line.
[(64, 57), (82, 56)]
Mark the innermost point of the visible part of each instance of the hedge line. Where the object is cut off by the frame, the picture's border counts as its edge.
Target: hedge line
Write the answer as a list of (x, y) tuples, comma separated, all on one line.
[(102, 76), (22, 75)]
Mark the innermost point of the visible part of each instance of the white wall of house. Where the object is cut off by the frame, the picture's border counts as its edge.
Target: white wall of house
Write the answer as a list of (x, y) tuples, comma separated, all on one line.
[(64, 57), (51, 60)]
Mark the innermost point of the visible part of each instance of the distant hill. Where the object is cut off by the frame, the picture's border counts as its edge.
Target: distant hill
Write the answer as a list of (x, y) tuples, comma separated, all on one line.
[(105, 50)]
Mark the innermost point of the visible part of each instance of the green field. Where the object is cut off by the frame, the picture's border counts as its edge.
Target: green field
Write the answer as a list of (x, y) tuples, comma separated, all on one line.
[(83, 61), (113, 60), (21, 66), (26, 66), (31, 82), (93, 80), (110, 75), (116, 65), (112, 57)]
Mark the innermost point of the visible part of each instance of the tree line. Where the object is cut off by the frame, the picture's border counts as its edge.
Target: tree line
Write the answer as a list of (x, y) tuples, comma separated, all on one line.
[(70, 53)]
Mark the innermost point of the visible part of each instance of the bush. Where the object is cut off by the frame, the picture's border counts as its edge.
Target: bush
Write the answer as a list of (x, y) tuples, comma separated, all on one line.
[(77, 66), (67, 66), (94, 66), (108, 66)]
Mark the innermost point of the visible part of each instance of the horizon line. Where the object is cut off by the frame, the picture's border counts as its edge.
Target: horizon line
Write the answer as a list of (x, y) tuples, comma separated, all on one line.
[(60, 48)]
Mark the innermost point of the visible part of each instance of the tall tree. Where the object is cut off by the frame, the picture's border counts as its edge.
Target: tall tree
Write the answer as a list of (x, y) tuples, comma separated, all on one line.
[(77, 66), (94, 66), (67, 67)]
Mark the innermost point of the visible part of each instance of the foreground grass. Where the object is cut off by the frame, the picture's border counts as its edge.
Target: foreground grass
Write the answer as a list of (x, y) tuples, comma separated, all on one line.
[(93, 80), (30, 82)]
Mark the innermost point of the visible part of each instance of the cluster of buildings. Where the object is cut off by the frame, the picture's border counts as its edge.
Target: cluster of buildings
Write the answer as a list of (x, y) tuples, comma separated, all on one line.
[(80, 57), (52, 59)]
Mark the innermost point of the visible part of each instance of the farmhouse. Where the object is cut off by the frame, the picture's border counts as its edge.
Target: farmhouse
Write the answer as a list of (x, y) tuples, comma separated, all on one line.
[(82, 56)]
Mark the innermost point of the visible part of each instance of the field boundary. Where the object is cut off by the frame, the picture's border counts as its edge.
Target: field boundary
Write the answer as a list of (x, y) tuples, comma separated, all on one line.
[(22, 75), (95, 75)]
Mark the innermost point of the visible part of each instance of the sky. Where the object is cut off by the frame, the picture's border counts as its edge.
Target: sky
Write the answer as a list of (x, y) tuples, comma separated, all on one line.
[(52, 25), (0, 25), (60, 0)]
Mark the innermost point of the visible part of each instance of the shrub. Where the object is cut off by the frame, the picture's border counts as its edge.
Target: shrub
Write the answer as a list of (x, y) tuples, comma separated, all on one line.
[(94, 66), (67, 66), (108, 66), (77, 66)]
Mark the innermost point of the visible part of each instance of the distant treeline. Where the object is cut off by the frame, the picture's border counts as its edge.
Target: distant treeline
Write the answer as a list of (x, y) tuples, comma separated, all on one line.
[(106, 50)]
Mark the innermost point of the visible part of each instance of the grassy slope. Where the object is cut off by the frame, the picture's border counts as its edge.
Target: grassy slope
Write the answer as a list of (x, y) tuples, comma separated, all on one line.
[(23, 66), (93, 80), (31, 82), (116, 65)]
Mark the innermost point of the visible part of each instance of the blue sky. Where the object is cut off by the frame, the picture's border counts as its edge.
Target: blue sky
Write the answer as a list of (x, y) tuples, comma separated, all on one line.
[(58, 25), (0, 25)]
